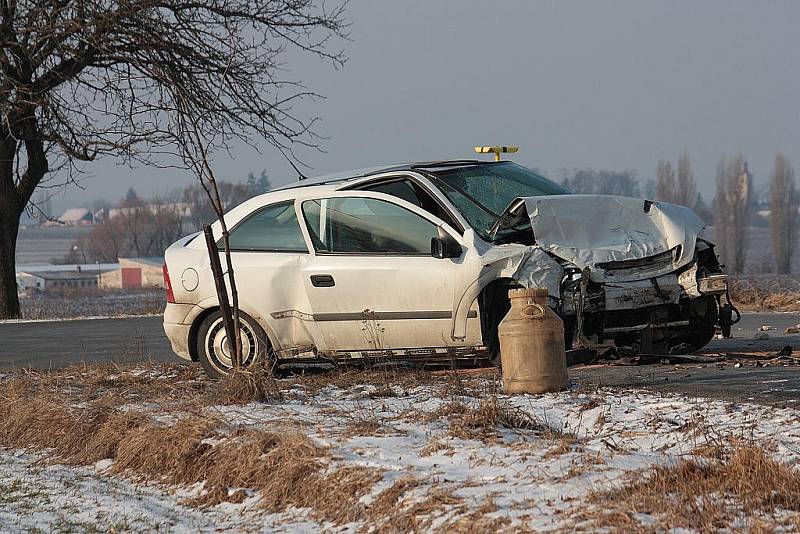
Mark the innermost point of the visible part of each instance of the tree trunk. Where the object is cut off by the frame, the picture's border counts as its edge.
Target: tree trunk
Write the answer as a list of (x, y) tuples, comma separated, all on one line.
[(14, 196), (9, 227)]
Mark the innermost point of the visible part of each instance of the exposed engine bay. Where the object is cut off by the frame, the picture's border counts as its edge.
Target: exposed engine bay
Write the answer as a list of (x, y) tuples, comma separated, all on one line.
[(636, 275)]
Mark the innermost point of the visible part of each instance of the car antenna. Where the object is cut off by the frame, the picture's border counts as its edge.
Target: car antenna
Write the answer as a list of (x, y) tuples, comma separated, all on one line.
[(300, 175), (496, 150)]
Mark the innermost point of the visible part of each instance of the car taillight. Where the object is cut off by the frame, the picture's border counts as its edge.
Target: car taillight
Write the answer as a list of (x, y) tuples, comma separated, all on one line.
[(168, 285)]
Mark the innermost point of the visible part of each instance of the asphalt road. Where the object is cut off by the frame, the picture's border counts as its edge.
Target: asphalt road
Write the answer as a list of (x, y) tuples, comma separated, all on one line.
[(45, 344), (48, 344)]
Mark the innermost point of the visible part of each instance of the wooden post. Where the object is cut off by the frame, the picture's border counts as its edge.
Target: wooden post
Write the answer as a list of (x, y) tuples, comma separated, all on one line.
[(222, 294)]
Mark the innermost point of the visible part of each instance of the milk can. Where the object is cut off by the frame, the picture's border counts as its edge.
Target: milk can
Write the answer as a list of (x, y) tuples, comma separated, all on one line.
[(532, 344)]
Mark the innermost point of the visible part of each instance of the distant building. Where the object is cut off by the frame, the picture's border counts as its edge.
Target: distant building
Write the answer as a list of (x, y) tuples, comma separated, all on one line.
[(181, 209), (57, 281), (76, 217), (134, 273)]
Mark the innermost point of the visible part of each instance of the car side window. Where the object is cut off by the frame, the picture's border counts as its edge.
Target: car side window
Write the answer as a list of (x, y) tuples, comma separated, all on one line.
[(397, 188), (412, 192), (355, 225), (271, 229)]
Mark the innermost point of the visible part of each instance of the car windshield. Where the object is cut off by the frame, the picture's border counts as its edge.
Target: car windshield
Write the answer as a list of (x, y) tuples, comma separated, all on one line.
[(482, 192)]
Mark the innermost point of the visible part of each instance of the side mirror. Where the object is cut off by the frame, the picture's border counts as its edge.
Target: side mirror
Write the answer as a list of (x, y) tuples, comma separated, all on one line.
[(445, 246)]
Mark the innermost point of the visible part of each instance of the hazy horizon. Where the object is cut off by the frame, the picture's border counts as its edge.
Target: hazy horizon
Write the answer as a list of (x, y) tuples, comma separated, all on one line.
[(576, 84)]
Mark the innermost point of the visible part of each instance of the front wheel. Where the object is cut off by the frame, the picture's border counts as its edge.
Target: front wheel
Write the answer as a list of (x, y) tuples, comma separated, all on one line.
[(214, 351)]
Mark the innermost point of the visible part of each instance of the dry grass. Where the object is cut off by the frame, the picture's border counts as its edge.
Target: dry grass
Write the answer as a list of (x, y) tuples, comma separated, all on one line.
[(344, 378), (247, 385), (567, 443), (175, 384), (774, 293), (491, 415), (591, 403), (386, 501), (82, 415), (287, 469), (383, 392), (178, 387), (417, 516), (478, 520), (336, 496), (433, 446), (395, 381), (705, 494), (389, 513)]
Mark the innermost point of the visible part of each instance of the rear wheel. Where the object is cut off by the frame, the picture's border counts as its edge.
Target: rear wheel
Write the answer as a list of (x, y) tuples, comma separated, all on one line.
[(214, 350)]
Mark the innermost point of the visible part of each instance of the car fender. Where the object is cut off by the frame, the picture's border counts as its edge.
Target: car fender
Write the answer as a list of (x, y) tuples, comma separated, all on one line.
[(213, 303), (531, 266)]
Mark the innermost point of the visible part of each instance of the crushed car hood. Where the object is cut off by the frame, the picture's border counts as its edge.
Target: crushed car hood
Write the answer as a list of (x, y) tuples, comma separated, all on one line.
[(618, 238)]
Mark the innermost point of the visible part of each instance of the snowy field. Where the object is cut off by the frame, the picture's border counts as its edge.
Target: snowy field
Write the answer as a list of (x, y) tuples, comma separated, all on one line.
[(102, 303), (365, 451)]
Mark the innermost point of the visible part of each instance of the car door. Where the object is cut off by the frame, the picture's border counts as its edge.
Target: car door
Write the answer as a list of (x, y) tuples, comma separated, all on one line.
[(269, 250), (372, 282)]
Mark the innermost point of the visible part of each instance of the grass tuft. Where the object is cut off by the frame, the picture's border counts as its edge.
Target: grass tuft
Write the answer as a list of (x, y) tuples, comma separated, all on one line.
[(244, 386), (706, 494), (487, 418)]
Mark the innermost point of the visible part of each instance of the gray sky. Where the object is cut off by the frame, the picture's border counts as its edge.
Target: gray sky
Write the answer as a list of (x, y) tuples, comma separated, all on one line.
[(614, 84)]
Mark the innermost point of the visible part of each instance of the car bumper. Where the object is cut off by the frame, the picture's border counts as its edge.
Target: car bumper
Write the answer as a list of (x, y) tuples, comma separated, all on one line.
[(178, 335), (178, 319)]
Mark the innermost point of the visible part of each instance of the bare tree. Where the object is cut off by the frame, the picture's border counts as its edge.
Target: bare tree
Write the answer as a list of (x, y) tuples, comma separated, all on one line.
[(721, 223), (601, 182), (665, 181), (686, 192), (201, 210), (731, 210), (783, 216), (83, 79), (134, 229), (194, 145)]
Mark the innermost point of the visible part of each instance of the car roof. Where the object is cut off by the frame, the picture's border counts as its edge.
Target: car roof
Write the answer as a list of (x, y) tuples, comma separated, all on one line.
[(344, 176)]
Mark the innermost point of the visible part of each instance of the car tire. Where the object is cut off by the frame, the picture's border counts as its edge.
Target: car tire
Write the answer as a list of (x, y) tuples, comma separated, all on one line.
[(212, 347), (703, 327), (699, 337)]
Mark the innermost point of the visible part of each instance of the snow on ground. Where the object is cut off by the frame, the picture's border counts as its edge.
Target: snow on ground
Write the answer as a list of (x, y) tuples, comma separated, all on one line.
[(537, 477), (58, 498)]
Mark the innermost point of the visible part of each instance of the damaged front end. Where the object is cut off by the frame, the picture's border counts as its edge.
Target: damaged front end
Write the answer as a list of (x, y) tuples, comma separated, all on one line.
[(675, 312), (629, 272)]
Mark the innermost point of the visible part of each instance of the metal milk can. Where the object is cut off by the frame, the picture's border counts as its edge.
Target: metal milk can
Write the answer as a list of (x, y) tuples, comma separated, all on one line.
[(532, 344)]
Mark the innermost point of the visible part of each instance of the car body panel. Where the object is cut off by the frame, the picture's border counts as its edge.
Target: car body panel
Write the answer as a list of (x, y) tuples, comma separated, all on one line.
[(380, 301)]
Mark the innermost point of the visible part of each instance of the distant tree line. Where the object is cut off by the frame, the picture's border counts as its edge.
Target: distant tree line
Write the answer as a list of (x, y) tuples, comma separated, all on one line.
[(135, 231), (135, 227)]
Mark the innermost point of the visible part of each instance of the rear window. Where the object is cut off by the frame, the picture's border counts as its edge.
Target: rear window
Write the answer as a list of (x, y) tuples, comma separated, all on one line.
[(270, 229)]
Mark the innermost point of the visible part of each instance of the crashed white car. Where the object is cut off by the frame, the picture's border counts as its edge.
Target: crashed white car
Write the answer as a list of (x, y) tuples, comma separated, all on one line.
[(414, 262)]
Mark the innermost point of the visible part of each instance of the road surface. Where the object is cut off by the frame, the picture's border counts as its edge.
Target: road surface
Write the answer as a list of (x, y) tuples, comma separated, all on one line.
[(59, 343), (44, 344)]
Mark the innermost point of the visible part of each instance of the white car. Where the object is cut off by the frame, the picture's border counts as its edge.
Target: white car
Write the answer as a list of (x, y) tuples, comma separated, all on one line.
[(414, 262)]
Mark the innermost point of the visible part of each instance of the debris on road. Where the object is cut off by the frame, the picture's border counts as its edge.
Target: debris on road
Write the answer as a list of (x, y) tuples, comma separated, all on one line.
[(764, 328), (792, 330), (759, 336)]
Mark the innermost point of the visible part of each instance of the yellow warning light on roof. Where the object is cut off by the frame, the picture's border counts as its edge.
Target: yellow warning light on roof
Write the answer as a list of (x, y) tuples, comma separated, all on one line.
[(496, 150)]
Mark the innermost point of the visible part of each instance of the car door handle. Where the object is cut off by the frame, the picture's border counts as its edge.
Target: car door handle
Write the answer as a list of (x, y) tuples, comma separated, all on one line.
[(322, 280)]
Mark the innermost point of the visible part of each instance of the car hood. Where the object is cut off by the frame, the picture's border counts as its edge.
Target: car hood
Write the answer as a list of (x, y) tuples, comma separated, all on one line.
[(618, 238)]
